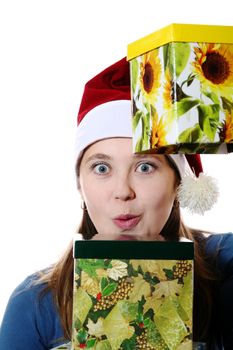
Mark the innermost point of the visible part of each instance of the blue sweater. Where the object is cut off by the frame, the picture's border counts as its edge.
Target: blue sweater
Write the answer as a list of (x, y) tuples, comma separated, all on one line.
[(31, 321)]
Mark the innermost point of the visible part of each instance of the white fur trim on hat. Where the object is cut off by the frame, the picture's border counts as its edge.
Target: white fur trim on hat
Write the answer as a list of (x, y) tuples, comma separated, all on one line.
[(181, 164), (111, 119)]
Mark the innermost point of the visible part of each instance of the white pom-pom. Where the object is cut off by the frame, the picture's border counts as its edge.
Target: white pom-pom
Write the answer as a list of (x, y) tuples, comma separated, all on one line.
[(198, 194)]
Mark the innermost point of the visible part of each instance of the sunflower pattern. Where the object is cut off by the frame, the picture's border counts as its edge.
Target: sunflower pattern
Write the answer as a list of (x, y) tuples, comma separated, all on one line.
[(139, 304), (182, 98), (226, 130), (150, 75), (158, 131), (214, 66)]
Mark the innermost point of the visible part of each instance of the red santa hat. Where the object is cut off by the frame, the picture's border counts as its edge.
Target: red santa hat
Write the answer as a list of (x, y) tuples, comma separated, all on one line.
[(105, 112)]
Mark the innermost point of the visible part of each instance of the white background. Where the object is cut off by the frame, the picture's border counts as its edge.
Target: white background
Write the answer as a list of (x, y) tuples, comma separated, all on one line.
[(48, 50)]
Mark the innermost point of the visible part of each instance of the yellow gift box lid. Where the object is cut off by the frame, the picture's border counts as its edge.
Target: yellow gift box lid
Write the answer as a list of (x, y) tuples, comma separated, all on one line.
[(181, 33)]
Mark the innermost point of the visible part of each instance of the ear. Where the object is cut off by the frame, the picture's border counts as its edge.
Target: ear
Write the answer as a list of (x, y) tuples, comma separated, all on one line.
[(79, 188)]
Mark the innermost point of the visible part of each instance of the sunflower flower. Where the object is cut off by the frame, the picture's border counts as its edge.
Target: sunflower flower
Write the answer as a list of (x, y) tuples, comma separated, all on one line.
[(158, 131), (214, 67), (226, 131), (168, 91), (150, 75)]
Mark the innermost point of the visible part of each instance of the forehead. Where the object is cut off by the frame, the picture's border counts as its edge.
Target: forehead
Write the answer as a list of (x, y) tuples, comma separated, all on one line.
[(111, 144), (116, 148)]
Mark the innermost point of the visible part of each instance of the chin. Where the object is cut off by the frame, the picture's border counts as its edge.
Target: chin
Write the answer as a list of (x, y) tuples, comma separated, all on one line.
[(126, 237)]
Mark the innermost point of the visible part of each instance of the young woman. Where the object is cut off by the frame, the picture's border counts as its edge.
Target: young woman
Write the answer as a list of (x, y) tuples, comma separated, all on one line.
[(125, 196)]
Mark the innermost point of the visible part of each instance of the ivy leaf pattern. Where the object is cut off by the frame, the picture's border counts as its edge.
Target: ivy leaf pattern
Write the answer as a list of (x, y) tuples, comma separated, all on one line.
[(153, 267), (141, 288), (123, 304), (96, 329), (167, 289), (118, 270), (89, 284)]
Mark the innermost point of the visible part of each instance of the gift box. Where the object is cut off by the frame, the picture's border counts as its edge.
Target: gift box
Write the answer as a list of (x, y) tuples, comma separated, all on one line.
[(132, 295), (66, 346), (182, 90)]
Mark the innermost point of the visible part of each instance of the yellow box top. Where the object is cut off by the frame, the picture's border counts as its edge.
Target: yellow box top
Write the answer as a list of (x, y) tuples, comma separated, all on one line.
[(183, 33)]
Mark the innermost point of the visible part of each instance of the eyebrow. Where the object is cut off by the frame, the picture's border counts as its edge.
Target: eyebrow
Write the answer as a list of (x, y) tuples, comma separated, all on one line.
[(98, 156), (147, 155), (104, 156)]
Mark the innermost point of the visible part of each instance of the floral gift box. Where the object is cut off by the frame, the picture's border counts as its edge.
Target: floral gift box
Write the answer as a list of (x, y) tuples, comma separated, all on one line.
[(182, 90), (132, 295), (66, 346)]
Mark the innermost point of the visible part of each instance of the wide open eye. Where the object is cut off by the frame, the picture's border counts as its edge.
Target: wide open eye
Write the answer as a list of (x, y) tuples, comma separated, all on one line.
[(146, 168), (101, 168)]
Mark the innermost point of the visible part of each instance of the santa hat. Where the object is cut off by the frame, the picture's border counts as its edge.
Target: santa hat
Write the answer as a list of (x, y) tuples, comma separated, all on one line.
[(105, 112)]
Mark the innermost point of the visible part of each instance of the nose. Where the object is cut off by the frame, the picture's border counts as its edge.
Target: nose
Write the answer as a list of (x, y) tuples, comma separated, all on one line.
[(123, 189)]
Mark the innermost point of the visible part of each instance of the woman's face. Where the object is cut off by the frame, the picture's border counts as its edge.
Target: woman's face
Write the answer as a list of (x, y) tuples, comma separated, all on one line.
[(127, 196)]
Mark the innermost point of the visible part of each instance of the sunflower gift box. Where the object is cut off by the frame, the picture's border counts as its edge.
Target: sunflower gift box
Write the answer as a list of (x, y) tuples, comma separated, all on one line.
[(182, 89), (130, 295)]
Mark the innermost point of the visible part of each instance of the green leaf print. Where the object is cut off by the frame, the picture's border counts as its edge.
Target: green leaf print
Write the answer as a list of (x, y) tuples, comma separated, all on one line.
[(179, 93), (191, 135), (209, 119), (212, 96), (169, 274), (90, 343), (154, 338), (82, 305), (90, 266), (185, 105), (129, 344), (103, 283), (103, 345), (190, 79), (165, 55), (109, 289), (170, 325), (138, 147), (145, 130), (227, 104), (134, 73), (82, 336), (136, 119), (178, 57)]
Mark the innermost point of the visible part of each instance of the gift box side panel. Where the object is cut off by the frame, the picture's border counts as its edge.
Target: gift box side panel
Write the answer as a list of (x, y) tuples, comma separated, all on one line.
[(116, 300), (182, 99)]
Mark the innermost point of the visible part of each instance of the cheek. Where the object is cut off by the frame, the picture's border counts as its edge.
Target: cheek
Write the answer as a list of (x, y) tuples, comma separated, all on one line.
[(94, 198), (157, 210), (89, 197), (87, 190), (159, 197), (160, 206)]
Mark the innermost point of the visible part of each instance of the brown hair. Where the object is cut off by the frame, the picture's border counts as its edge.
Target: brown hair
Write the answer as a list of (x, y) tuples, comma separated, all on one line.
[(59, 279)]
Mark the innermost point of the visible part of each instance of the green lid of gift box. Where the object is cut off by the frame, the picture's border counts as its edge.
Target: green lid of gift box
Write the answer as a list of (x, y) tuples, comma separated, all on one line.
[(182, 89), (133, 250)]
